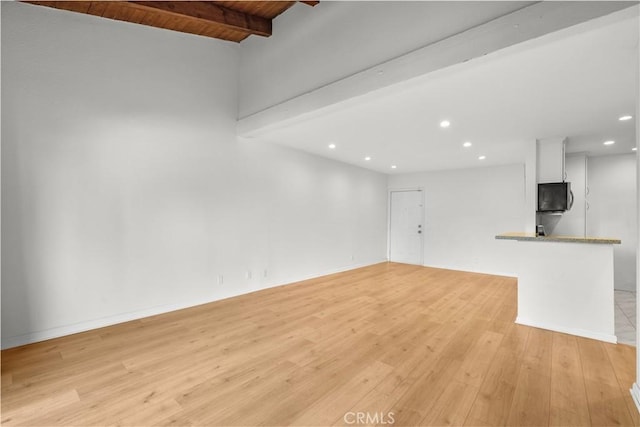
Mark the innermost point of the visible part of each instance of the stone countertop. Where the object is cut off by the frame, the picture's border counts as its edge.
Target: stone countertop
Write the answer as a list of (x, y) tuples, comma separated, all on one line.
[(531, 237)]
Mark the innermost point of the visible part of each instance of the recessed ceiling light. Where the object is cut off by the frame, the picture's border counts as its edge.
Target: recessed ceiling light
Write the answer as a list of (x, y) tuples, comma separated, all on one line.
[(445, 124), (393, 166), (609, 142), (467, 144), (625, 118), (332, 146), (367, 158), (634, 149), (482, 157)]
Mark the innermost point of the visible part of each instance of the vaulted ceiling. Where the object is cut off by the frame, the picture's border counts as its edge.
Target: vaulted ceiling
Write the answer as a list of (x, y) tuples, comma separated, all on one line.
[(226, 20)]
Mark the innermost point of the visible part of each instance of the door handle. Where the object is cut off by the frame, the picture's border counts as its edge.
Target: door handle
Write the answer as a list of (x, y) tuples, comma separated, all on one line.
[(572, 199)]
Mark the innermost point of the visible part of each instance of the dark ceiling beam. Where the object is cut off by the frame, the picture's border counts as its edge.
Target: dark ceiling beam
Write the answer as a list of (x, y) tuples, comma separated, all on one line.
[(74, 6), (196, 12), (210, 12)]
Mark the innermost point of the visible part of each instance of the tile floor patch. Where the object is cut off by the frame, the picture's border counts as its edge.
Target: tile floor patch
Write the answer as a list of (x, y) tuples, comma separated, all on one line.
[(625, 312)]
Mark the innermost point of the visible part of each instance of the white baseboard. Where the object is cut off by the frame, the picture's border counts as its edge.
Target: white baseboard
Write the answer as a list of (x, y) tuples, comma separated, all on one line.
[(37, 336), (61, 331), (600, 336), (302, 278), (466, 270), (635, 394)]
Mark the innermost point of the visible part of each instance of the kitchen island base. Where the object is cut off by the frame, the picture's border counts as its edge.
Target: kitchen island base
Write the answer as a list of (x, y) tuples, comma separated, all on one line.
[(566, 286)]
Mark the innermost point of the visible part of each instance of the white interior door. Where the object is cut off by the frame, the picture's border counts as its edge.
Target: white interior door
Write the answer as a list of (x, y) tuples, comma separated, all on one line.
[(405, 227)]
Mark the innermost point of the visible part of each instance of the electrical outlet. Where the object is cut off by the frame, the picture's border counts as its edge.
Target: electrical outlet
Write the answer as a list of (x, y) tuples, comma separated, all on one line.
[(264, 273), (220, 279), (353, 257), (248, 275)]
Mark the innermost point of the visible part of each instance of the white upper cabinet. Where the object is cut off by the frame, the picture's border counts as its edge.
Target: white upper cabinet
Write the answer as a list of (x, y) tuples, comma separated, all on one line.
[(551, 160)]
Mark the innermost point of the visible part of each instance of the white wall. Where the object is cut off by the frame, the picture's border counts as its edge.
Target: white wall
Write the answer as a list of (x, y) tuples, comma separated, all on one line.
[(125, 191), (312, 47), (612, 211), (464, 211)]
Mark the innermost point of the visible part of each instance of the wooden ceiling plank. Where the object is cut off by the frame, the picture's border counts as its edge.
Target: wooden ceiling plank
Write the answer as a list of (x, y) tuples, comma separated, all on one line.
[(112, 11), (265, 9), (134, 15), (226, 20), (309, 3), (74, 6), (97, 8), (189, 25), (218, 32), (208, 11), (161, 21)]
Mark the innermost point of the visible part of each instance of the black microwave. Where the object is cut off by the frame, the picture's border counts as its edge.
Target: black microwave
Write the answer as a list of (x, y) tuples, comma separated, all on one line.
[(555, 197)]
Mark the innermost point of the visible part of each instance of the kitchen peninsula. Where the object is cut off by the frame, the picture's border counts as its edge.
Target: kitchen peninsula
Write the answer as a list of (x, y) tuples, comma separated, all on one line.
[(565, 284)]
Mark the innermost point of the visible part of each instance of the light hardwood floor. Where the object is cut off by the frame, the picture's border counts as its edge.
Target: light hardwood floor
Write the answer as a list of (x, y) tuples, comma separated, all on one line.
[(429, 346)]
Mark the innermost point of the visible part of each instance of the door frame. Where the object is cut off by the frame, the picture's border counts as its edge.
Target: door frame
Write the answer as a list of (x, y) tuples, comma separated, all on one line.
[(423, 218)]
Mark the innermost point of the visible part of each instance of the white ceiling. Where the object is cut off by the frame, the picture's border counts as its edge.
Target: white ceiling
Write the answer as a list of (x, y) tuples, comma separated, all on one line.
[(575, 86)]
